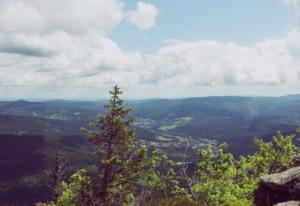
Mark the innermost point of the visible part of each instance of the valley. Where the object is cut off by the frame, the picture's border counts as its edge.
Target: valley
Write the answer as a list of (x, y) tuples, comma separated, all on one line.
[(31, 131)]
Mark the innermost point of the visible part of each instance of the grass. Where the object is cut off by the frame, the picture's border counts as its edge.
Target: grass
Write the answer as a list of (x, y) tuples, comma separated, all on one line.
[(163, 138), (178, 122)]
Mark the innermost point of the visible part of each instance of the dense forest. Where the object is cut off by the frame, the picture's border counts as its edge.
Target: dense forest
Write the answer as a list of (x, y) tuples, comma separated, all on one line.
[(123, 171)]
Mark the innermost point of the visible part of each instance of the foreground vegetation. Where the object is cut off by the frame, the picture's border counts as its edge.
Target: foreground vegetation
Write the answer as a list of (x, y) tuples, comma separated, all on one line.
[(129, 174)]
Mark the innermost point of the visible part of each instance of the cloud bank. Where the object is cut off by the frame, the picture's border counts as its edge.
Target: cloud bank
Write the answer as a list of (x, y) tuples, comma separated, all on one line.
[(61, 48)]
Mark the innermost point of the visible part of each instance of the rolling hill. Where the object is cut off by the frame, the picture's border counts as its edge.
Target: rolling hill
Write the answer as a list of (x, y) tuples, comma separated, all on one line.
[(31, 131)]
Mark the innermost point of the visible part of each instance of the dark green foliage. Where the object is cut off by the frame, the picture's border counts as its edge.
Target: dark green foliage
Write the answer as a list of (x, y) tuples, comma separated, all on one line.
[(120, 162)]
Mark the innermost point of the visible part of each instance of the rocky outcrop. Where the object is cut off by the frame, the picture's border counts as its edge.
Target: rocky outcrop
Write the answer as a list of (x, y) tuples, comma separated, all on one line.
[(279, 188), (289, 203)]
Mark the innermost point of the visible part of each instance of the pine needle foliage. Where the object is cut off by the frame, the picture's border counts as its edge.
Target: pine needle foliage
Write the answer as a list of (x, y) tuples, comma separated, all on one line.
[(120, 161)]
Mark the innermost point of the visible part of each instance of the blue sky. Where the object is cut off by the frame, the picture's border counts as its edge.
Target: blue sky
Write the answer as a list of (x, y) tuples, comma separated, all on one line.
[(79, 49), (242, 22)]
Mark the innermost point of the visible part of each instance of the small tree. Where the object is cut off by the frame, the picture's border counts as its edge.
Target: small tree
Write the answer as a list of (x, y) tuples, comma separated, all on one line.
[(120, 162)]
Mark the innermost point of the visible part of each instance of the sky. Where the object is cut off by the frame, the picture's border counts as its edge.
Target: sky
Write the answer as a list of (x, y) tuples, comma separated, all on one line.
[(79, 49)]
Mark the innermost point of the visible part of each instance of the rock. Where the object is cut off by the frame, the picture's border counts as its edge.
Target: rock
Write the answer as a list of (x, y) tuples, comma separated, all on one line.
[(282, 181), (289, 203), (279, 188)]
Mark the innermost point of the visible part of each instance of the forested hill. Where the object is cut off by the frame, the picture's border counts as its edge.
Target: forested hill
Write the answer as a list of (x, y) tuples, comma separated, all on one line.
[(231, 119), (39, 128), (233, 107)]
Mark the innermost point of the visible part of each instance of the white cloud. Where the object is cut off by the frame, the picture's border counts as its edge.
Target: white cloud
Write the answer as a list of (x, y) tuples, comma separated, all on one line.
[(42, 27), (34, 27), (144, 16), (67, 53), (90, 62), (274, 61), (86, 61), (61, 44), (15, 16), (72, 16)]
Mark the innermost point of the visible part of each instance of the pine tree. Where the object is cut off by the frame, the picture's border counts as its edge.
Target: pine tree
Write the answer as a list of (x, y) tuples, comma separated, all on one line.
[(120, 161)]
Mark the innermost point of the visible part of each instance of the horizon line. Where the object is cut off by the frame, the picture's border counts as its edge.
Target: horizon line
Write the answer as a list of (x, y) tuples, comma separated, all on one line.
[(86, 99)]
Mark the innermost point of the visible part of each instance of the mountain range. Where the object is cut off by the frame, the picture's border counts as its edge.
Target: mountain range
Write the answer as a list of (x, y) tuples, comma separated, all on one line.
[(31, 131)]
